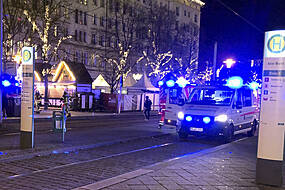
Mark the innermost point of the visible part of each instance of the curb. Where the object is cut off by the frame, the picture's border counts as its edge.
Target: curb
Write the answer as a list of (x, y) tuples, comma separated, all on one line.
[(76, 148), (148, 169), (113, 116)]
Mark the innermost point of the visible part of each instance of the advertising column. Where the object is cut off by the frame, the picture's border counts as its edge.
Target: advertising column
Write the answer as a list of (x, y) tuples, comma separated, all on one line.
[(272, 118), (27, 99)]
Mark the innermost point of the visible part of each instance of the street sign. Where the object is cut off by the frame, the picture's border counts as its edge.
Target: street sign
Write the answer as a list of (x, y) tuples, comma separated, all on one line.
[(27, 99), (272, 120)]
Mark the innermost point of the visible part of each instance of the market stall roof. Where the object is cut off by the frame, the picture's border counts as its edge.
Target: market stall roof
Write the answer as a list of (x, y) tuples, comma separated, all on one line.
[(100, 82), (129, 81), (77, 72), (144, 84)]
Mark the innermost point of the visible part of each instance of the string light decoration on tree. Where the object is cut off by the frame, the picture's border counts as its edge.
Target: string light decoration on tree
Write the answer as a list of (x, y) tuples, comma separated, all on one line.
[(46, 26)]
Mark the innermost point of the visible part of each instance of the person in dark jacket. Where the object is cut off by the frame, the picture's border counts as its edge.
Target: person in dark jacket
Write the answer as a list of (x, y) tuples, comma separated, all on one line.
[(147, 107), (4, 104)]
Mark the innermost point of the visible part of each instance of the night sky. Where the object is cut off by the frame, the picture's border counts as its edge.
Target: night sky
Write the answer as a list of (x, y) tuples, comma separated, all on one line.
[(237, 39)]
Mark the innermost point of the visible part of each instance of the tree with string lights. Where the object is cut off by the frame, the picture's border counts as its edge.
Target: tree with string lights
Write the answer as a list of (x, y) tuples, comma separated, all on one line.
[(46, 18)]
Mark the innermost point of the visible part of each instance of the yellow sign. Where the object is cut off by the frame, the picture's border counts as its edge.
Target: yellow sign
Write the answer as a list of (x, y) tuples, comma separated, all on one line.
[(26, 55), (274, 46)]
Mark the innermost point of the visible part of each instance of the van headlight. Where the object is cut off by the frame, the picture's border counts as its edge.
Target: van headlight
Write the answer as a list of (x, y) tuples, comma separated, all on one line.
[(221, 118), (180, 115)]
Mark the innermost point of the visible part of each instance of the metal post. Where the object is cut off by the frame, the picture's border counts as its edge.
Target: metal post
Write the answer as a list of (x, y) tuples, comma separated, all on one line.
[(120, 95), (215, 61), (1, 59)]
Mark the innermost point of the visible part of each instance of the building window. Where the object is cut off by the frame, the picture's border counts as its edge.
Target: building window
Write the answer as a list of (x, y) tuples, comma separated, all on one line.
[(84, 36), (110, 23), (85, 18), (176, 25), (95, 19), (102, 3), (77, 56), (93, 39), (101, 21), (108, 42), (66, 12), (189, 14), (185, 13), (75, 35), (196, 18), (80, 17), (111, 5), (86, 58), (101, 41), (177, 11), (80, 36), (95, 2), (76, 16)]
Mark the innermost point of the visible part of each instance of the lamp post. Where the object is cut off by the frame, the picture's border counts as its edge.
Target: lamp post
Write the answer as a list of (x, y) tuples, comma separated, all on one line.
[(1, 59), (229, 63)]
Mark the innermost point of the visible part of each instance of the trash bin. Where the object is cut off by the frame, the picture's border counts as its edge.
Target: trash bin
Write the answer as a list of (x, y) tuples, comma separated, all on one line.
[(13, 107), (59, 119)]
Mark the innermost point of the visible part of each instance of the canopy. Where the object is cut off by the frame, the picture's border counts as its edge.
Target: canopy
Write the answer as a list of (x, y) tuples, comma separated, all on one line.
[(99, 82), (143, 85)]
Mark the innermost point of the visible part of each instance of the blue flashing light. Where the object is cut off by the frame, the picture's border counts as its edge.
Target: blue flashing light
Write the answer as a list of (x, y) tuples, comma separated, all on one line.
[(170, 83), (160, 83), (6, 83), (206, 120), (17, 84), (253, 85), (235, 82), (182, 82), (188, 118)]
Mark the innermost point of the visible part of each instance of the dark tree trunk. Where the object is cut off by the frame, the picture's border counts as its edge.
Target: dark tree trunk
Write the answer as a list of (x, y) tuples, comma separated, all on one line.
[(46, 101)]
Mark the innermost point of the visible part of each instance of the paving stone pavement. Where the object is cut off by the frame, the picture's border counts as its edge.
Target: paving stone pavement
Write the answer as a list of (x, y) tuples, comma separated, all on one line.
[(226, 167)]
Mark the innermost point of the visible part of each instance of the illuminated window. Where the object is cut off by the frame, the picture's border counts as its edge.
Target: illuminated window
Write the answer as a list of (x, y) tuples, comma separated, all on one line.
[(80, 17)]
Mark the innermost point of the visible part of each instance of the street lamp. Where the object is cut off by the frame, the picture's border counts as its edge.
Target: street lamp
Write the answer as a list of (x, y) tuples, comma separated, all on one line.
[(229, 63)]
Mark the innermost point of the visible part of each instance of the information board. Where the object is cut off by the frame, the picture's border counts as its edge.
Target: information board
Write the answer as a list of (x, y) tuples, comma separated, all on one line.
[(27, 97), (272, 119)]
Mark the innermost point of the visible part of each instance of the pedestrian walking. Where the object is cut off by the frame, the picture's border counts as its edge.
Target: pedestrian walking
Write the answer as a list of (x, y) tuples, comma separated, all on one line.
[(147, 107), (4, 104)]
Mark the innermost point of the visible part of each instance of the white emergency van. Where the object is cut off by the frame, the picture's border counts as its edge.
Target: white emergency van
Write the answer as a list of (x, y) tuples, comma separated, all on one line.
[(218, 111)]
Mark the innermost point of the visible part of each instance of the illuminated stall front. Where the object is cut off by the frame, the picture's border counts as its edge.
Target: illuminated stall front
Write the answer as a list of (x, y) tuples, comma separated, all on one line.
[(70, 77)]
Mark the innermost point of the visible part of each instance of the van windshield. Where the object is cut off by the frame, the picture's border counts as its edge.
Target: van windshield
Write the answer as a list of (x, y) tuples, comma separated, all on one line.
[(206, 96)]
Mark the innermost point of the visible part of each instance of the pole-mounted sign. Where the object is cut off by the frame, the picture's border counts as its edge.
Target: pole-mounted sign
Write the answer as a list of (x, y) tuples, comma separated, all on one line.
[(27, 99), (272, 120)]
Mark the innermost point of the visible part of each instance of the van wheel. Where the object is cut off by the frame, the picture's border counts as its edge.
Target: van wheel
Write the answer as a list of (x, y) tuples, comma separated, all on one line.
[(229, 134), (182, 135), (253, 129)]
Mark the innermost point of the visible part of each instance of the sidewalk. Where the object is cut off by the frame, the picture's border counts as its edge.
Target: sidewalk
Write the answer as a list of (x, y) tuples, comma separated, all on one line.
[(47, 115), (226, 167)]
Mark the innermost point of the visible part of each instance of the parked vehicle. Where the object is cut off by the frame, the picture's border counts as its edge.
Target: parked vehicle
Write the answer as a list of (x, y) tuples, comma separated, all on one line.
[(218, 110)]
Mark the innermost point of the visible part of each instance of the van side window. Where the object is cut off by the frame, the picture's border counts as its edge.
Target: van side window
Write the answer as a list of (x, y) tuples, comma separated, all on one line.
[(247, 99), (173, 96)]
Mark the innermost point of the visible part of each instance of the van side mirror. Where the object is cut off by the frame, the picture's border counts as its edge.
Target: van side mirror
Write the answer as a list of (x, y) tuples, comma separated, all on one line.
[(181, 102), (238, 105)]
